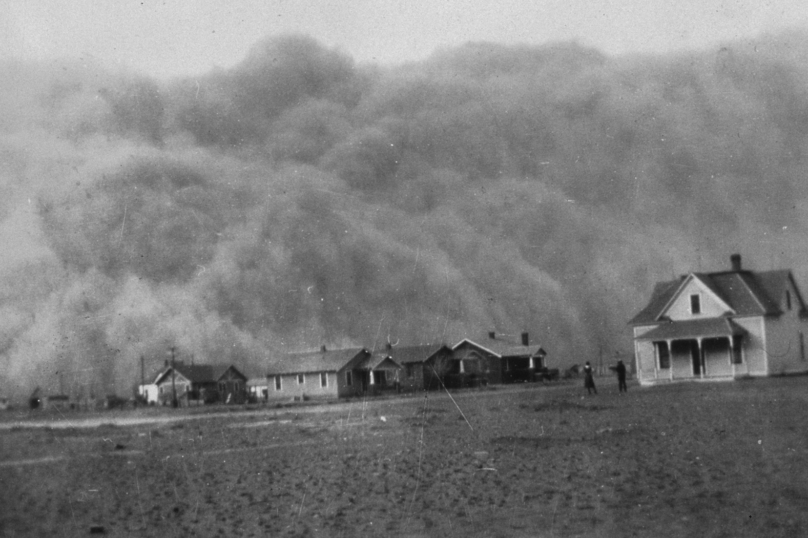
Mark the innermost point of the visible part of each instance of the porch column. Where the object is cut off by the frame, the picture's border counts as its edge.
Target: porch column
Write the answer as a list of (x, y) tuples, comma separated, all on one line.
[(729, 352), (532, 366), (370, 374), (462, 370), (656, 345), (669, 343), (701, 358)]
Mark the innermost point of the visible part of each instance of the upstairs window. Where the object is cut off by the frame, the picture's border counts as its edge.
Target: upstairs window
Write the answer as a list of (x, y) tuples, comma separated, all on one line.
[(695, 304), (349, 378), (277, 382), (788, 300), (324, 379), (301, 379)]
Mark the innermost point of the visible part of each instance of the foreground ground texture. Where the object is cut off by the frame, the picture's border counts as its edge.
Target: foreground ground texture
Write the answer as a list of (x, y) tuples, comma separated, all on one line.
[(725, 459)]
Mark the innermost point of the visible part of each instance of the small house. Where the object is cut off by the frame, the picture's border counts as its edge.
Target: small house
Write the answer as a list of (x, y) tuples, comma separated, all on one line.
[(501, 359), (149, 392), (201, 383), (326, 373), (422, 365), (378, 373)]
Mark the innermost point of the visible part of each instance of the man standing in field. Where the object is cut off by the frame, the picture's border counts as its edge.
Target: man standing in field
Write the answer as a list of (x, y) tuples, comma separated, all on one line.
[(621, 376), (589, 380)]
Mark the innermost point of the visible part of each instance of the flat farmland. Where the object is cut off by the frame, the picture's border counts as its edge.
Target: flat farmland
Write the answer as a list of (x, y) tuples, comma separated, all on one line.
[(728, 459)]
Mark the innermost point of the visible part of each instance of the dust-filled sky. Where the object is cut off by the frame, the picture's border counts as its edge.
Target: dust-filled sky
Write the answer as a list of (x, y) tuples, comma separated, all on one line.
[(313, 189), (189, 37)]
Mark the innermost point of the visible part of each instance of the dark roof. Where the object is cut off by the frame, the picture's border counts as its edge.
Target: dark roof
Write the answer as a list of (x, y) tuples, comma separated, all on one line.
[(694, 328), (316, 361), (198, 373), (407, 354), (747, 293), (378, 361), (501, 347), (662, 294)]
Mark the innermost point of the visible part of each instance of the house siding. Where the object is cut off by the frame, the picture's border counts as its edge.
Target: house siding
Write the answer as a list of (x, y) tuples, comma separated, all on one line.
[(344, 390), (645, 357), (310, 388), (710, 305), (785, 351), (717, 358), (754, 347)]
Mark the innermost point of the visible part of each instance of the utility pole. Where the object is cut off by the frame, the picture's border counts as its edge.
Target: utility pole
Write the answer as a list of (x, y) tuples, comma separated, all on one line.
[(174, 402)]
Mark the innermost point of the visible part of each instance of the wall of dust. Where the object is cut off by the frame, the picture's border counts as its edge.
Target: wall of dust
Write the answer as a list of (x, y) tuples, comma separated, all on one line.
[(299, 199)]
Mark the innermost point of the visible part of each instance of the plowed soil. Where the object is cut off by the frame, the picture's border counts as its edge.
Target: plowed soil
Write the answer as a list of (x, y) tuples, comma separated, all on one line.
[(728, 459)]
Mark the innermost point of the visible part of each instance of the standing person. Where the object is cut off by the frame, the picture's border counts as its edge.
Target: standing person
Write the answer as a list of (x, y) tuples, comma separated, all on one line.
[(589, 381), (621, 376)]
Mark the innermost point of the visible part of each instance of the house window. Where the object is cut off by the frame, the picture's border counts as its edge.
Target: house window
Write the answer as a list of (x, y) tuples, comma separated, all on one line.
[(349, 378), (664, 356), (409, 370), (788, 300), (277, 382), (323, 379), (301, 379), (695, 304)]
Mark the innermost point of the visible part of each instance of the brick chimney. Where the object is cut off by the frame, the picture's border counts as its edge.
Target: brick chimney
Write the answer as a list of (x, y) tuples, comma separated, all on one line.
[(525, 339), (492, 335), (322, 348), (735, 259)]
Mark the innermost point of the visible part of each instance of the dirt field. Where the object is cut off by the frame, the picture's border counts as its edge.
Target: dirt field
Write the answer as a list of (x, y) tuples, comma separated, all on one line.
[(726, 459)]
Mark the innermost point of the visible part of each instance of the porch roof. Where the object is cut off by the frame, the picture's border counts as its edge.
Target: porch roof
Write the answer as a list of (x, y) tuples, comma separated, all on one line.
[(379, 362), (694, 328)]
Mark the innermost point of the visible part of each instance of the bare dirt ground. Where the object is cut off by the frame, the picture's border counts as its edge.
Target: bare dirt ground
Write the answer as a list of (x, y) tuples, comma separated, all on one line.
[(726, 459)]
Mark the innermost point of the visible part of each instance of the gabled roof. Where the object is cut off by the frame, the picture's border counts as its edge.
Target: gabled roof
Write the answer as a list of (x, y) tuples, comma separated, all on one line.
[(747, 293), (694, 328), (198, 373), (316, 361), (379, 361), (408, 354), (503, 348)]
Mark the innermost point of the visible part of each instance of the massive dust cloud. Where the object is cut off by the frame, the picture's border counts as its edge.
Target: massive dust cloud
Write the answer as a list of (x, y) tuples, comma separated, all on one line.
[(300, 199)]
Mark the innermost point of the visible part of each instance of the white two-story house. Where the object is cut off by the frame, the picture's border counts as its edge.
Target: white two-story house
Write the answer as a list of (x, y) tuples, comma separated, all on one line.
[(723, 325)]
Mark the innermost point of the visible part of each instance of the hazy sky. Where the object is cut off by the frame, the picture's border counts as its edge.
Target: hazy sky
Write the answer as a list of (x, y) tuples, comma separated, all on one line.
[(164, 38)]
